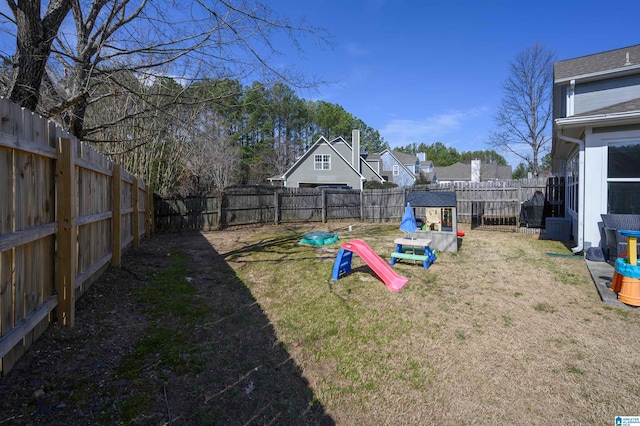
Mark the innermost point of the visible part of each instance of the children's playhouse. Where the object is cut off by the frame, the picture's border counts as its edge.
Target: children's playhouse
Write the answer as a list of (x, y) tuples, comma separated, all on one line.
[(438, 211)]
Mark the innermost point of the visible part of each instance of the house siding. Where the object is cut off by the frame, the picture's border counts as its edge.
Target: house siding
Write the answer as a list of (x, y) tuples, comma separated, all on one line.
[(342, 147), (599, 94), (367, 172), (596, 149), (340, 173), (403, 178), (604, 84)]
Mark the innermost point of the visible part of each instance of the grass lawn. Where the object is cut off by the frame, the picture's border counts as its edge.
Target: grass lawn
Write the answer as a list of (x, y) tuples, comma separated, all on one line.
[(245, 326), (498, 333)]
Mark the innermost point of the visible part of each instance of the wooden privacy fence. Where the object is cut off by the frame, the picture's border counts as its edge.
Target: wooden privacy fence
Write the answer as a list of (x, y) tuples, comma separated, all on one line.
[(492, 205), (264, 204), (66, 212), (252, 205)]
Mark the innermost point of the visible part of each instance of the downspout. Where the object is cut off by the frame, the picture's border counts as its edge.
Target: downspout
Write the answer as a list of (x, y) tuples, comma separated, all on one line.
[(581, 192)]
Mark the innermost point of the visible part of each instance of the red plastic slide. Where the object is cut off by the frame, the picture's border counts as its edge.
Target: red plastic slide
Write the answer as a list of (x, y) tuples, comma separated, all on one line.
[(393, 281)]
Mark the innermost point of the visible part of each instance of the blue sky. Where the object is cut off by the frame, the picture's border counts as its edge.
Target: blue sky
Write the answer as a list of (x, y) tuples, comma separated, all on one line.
[(428, 71), (432, 71)]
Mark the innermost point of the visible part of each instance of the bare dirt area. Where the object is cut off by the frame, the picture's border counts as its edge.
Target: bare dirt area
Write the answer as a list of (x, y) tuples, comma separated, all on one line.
[(502, 332), (74, 376)]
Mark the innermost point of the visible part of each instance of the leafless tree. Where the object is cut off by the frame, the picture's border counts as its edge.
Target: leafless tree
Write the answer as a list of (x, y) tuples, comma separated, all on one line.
[(119, 72), (151, 141), (183, 40), (213, 156), (524, 113), (34, 35)]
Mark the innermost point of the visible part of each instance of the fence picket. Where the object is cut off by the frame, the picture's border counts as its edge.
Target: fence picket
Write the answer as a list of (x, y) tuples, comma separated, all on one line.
[(249, 205), (46, 174)]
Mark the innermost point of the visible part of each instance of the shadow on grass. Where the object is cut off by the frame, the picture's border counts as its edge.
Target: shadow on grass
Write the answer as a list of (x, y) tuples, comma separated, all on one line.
[(248, 376), (171, 337)]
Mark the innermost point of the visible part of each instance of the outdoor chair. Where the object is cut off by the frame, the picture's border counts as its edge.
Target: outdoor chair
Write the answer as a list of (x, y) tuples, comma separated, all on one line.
[(616, 243)]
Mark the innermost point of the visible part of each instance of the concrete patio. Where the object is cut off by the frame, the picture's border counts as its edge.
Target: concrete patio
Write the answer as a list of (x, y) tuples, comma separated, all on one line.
[(602, 273)]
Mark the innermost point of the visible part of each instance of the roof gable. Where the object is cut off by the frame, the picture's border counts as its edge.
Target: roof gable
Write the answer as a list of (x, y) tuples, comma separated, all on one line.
[(404, 158), (306, 155), (335, 144), (399, 162)]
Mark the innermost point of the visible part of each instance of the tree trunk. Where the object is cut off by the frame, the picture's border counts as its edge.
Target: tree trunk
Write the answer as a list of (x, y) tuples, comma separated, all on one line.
[(34, 40)]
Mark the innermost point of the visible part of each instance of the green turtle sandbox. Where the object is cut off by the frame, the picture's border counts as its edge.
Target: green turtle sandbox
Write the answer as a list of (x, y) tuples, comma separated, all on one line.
[(319, 238)]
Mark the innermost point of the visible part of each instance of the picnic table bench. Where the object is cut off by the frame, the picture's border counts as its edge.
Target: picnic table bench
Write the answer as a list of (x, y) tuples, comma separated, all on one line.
[(417, 249)]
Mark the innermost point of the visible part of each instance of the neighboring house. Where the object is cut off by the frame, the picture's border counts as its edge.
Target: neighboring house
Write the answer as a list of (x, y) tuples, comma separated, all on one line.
[(426, 166), (596, 138), (399, 168), (404, 169), (336, 163), (331, 163), (474, 172)]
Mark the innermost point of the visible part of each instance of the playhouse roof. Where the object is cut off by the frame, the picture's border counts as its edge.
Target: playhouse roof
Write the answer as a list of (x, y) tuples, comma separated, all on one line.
[(432, 198)]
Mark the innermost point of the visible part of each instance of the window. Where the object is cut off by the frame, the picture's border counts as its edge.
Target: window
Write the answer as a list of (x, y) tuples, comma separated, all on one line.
[(623, 177), (396, 170), (322, 162), (572, 183)]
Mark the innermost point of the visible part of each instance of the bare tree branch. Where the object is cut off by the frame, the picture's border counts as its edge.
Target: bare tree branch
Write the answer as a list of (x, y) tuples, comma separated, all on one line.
[(524, 113)]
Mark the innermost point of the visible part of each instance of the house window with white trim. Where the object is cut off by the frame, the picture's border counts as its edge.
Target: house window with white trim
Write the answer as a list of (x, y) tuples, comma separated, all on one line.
[(396, 170), (623, 177), (322, 162)]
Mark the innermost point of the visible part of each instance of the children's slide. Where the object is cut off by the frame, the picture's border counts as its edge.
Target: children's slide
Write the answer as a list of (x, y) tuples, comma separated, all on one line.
[(393, 281)]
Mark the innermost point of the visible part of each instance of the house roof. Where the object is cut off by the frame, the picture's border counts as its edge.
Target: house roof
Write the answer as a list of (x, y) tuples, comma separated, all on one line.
[(462, 172), (458, 171), (598, 64), (331, 144), (492, 171), (306, 154), (404, 158), (431, 198), (372, 157)]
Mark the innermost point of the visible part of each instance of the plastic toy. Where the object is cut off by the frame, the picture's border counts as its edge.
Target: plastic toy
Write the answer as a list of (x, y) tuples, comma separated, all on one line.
[(342, 265)]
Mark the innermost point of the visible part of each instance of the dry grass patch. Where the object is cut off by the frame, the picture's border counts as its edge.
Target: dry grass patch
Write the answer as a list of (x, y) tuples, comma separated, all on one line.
[(497, 333)]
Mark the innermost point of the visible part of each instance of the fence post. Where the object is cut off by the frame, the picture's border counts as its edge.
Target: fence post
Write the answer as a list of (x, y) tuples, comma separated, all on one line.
[(220, 210), (149, 216), (323, 200), (66, 238), (116, 186), (276, 206), (136, 212), (362, 205)]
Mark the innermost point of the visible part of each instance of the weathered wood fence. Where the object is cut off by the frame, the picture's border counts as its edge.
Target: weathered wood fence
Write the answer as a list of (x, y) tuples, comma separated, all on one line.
[(66, 212), (264, 204), (259, 204), (493, 205)]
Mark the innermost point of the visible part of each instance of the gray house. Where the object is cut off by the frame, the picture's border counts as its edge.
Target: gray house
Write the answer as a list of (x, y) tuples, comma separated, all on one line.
[(596, 138), (474, 172), (332, 163), (336, 163), (399, 168)]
